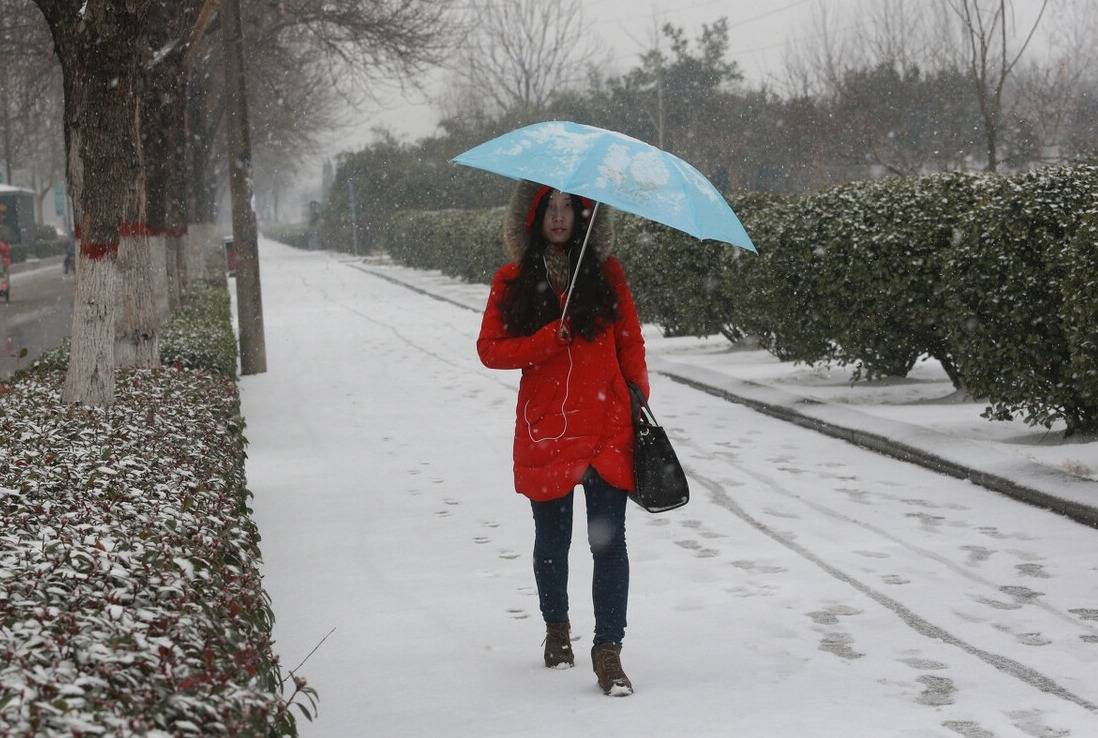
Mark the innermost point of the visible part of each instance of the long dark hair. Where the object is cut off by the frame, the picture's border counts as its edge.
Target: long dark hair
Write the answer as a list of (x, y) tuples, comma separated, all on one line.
[(529, 302)]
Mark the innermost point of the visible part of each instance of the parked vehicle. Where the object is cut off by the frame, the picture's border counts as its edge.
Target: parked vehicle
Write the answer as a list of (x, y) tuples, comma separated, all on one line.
[(5, 271)]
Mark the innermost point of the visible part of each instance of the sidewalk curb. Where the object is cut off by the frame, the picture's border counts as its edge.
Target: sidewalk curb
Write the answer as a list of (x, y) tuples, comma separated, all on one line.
[(1078, 512)]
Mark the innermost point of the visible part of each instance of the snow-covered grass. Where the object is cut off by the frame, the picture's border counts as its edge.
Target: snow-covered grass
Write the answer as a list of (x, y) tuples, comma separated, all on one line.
[(130, 598)]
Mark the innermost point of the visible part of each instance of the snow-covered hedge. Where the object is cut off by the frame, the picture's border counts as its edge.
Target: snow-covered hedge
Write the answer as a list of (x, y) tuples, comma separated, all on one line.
[(1021, 285), (993, 276), (130, 596), (198, 336), (853, 274), (461, 243), (685, 286), (201, 334)]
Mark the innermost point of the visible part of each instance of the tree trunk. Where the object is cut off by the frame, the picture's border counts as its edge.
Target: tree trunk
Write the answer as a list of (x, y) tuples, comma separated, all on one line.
[(253, 354), (158, 257), (104, 96), (138, 321), (100, 52)]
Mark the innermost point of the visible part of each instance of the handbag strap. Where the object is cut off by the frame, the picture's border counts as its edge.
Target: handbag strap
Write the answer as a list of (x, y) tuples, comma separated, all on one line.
[(639, 402)]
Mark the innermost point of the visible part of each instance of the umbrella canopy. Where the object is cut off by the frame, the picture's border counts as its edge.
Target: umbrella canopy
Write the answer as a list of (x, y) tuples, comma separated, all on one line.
[(614, 169)]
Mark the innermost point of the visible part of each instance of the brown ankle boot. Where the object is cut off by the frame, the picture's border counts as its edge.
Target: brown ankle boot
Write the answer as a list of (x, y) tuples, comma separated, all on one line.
[(606, 660), (558, 646)]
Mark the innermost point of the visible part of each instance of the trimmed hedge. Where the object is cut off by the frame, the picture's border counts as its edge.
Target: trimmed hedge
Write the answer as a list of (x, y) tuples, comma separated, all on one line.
[(1020, 285), (41, 250), (131, 600), (995, 277), (199, 336)]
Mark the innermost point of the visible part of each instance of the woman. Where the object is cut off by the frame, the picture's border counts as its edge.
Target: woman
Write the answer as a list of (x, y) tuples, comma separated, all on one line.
[(573, 419)]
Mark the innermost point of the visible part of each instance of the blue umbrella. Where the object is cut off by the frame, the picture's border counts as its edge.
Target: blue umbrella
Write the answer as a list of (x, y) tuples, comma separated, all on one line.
[(614, 169)]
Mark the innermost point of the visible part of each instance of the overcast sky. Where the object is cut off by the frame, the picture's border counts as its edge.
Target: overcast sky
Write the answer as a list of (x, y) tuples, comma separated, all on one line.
[(759, 33)]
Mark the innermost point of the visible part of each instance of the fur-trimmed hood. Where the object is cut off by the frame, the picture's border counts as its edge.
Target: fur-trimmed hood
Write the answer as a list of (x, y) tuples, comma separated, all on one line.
[(516, 240)]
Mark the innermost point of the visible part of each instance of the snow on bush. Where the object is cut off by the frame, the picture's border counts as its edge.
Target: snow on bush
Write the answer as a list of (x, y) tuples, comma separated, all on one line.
[(993, 276), (130, 596), (1020, 286)]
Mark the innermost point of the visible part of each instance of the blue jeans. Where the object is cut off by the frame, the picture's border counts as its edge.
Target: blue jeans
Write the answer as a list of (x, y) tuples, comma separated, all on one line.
[(606, 536)]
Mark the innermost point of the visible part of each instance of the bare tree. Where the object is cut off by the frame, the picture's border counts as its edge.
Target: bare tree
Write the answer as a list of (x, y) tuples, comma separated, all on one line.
[(307, 59), (516, 54), (991, 60), (815, 64), (1050, 92)]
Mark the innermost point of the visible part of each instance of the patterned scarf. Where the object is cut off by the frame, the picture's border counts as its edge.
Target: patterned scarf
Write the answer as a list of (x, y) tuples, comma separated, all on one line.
[(556, 266)]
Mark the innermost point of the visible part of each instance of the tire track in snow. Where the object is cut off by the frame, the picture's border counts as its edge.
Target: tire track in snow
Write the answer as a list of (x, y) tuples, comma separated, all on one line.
[(920, 625), (956, 568)]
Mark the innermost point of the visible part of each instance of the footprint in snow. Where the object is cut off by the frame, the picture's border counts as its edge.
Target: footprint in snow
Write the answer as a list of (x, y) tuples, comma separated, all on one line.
[(924, 664), (517, 613), (757, 568), (481, 540), (1031, 723), (929, 522), (895, 579), (1021, 595), (508, 555), (840, 644), (657, 522), (967, 729), (490, 524), (830, 615), (937, 692), (856, 495), (1084, 613), (451, 501), (977, 554), (442, 513)]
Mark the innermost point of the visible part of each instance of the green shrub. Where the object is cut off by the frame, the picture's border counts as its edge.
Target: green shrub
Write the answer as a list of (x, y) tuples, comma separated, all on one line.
[(884, 249), (466, 244), (1080, 309), (782, 303), (686, 286), (54, 247), (1017, 285), (200, 336)]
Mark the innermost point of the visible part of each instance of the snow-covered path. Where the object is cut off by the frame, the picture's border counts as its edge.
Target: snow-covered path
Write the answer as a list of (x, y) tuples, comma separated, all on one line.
[(810, 588)]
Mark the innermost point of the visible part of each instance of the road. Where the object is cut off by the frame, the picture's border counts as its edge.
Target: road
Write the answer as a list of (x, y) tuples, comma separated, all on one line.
[(39, 315), (810, 588)]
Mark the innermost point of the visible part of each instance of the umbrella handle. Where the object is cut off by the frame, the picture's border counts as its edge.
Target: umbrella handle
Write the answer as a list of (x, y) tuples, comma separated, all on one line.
[(583, 250)]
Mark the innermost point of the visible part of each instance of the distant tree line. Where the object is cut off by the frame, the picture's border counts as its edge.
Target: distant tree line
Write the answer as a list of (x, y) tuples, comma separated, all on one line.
[(902, 89)]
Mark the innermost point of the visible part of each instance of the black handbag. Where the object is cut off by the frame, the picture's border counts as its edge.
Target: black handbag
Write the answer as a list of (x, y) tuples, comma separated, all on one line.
[(661, 482)]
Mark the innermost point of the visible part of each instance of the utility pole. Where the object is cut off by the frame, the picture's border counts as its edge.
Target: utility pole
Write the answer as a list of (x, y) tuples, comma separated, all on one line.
[(352, 199), (249, 300), (5, 113)]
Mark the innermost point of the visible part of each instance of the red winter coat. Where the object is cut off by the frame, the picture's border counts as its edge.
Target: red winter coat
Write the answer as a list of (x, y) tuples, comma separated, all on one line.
[(587, 378)]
